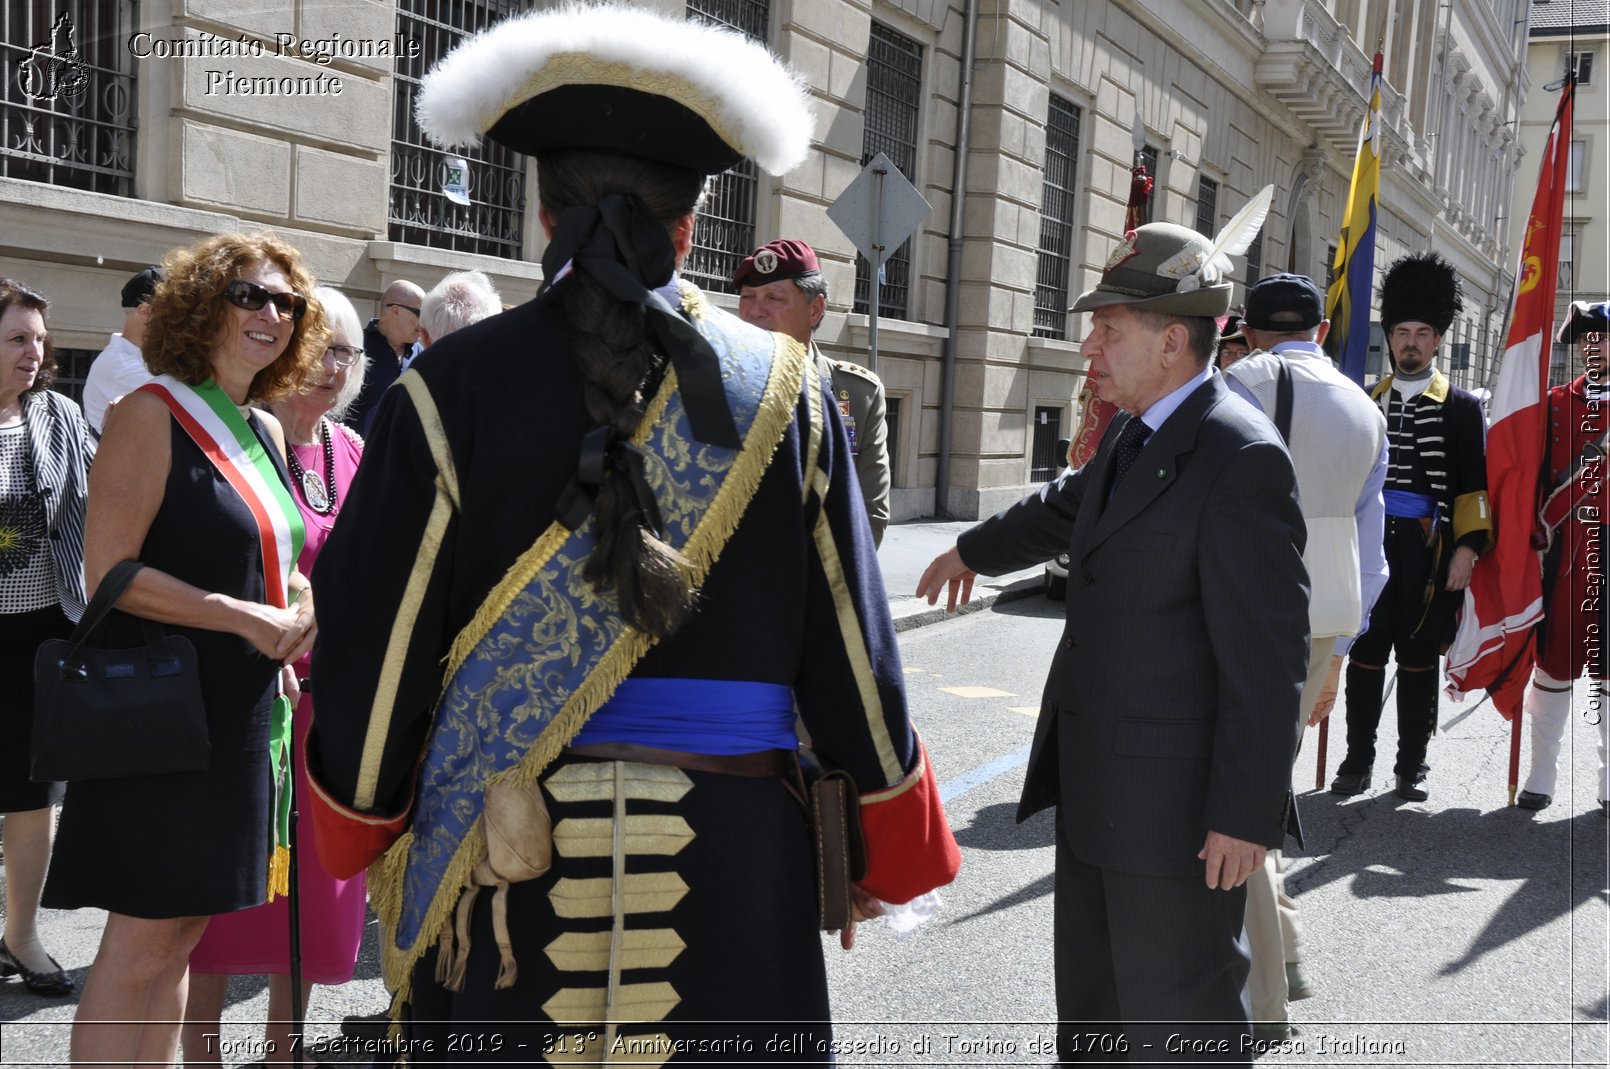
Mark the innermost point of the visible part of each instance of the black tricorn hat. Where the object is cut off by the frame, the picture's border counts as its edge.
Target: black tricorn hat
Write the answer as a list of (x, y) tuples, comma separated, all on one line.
[(1584, 317), (617, 77), (1421, 289)]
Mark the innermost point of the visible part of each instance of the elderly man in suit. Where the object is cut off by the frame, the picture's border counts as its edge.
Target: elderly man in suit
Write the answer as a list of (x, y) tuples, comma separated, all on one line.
[(1170, 715)]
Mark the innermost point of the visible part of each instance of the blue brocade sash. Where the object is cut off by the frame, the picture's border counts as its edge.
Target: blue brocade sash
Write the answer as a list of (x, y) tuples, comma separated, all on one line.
[(547, 649)]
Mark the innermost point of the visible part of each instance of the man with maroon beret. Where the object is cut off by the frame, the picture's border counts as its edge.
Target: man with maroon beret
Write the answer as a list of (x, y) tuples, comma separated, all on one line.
[(781, 288)]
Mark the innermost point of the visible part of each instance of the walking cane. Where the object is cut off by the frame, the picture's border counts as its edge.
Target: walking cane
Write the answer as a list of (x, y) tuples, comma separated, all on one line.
[(1319, 769)]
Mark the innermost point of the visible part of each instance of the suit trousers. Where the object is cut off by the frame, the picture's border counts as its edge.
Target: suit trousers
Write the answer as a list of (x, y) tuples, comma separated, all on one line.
[(1148, 968), (1273, 934)]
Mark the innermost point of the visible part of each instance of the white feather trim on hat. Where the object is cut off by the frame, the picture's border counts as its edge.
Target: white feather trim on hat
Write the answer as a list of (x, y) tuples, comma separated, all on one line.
[(748, 96)]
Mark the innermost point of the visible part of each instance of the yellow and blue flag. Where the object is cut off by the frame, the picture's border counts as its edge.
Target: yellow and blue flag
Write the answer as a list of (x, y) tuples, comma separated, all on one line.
[(1347, 305)]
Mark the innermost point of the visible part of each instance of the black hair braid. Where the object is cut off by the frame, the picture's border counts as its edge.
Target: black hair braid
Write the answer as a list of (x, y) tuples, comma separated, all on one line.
[(610, 343)]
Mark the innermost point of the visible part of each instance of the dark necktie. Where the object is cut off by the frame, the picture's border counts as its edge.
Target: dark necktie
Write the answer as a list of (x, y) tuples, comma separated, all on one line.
[(1131, 440)]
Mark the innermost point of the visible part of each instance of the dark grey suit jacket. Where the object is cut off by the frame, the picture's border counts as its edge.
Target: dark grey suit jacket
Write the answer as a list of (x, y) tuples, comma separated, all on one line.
[(1172, 699)]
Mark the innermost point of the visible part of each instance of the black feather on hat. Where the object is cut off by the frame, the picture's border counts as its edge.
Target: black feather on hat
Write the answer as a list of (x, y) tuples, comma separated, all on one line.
[(1421, 289)]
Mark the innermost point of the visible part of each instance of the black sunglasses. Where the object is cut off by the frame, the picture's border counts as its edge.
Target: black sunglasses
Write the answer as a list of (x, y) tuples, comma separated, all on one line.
[(404, 307), (252, 297)]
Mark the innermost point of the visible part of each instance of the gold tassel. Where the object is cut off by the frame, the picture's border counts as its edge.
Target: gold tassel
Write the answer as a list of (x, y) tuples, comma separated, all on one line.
[(279, 872), (508, 971)]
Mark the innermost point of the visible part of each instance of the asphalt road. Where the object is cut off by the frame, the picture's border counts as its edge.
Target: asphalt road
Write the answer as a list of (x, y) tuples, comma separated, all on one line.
[(1450, 932)]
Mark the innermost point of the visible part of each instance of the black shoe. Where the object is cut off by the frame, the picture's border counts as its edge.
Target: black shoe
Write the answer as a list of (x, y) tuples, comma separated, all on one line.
[(366, 1025), (1350, 782), (1266, 1032), (1533, 801), (45, 984), (1413, 788)]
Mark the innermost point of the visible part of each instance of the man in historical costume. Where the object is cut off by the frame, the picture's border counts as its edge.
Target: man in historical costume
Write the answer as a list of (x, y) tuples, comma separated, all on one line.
[(1338, 445), (1571, 638), (641, 560), (781, 287), (1437, 522), (1170, 715)]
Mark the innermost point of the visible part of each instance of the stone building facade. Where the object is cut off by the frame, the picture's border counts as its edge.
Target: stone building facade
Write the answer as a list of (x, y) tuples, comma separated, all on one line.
[(206, 115)]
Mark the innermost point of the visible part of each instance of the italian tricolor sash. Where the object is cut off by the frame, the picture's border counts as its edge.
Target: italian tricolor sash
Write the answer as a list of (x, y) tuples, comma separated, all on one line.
[(225, 437)]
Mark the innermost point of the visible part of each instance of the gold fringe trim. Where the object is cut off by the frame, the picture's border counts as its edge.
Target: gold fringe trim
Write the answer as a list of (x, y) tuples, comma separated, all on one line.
[(772, 419), (279, 872)]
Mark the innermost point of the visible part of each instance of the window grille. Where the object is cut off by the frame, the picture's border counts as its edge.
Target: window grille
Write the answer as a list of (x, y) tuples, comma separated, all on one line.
[(72, 368), (1057, 193), (724, 232), (1207, 205), (419, 213), (1044, 461), (894, 84), (67, 109)]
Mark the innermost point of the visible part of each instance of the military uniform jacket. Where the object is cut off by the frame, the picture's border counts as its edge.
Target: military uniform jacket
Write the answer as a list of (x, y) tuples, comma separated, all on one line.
[(468, 456), (858, 395), (1171, 706)]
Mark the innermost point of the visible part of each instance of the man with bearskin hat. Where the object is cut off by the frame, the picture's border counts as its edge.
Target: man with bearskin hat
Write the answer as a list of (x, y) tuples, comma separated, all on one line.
[(1437, 523), (642, 563), (1572, 526)]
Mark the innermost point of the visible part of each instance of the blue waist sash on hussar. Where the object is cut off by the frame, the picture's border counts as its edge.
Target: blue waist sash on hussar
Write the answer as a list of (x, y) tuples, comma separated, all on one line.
[(1408, 505), (547, 649), (708, 716)]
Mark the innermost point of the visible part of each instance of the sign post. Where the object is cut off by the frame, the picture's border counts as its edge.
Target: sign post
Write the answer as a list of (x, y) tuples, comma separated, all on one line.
[(878, 211)]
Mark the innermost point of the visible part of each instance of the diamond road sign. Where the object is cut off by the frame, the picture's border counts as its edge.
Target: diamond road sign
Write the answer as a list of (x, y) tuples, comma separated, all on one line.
[(879, 210)]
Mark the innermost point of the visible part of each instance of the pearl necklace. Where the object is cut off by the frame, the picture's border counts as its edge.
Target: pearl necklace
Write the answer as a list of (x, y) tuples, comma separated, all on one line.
[(319, 494)]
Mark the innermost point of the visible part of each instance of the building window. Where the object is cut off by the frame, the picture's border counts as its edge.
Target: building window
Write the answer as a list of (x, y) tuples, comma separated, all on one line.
[(893, 89), (1566, 279), (1207, 205), (724, 232), (1330, 266), (1573, 169), (891, 428), (1056, 220), (1044, 461), (1254, 259), (1580, 64), (493, 222), (72, 368), (67, 113)]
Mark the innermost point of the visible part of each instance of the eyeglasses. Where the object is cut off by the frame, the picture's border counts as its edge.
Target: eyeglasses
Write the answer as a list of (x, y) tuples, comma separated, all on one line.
[(252, 297), (343, 355), (404, 307)]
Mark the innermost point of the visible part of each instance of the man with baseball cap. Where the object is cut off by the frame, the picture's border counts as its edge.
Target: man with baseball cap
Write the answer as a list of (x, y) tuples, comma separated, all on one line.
[(1571, 637), (119, 368), (1438, 520), (1337, 439), (1170, 717), (781, 288)]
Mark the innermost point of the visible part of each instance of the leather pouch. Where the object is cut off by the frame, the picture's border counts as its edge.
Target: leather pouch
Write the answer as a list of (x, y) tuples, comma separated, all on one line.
[(833, 811)]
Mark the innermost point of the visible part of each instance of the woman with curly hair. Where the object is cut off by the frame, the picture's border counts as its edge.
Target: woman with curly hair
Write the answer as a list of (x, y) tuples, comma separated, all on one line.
[(45, 451), (191, 483)]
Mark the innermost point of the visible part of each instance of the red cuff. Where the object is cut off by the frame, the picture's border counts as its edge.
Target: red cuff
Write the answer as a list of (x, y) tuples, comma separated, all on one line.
[(910, 849), (349, 841)]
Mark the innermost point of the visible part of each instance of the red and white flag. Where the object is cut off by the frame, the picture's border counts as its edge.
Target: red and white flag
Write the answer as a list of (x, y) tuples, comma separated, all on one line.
[(1493, 649)]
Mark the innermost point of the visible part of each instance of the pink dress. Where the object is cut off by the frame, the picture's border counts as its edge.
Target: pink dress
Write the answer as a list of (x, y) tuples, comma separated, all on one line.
[(257, 941)]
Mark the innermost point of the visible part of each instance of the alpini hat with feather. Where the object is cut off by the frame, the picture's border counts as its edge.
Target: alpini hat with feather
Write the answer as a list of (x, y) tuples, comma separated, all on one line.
[(1163, 267), (1421, 289), (610, 76)]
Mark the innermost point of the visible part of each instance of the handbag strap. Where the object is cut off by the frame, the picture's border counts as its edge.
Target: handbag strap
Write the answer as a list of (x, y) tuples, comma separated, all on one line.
[(110, 589), (1283, 401)]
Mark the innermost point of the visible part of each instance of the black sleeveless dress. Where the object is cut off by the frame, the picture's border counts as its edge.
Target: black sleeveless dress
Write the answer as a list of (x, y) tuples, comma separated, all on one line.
[(195, 843)]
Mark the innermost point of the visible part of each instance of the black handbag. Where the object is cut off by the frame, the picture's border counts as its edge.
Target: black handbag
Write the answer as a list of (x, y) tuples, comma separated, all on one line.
[(106, 714)]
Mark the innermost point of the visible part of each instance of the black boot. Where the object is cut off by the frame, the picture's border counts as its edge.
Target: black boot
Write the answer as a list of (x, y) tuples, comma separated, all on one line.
[(1417, 719), (1362, 693)]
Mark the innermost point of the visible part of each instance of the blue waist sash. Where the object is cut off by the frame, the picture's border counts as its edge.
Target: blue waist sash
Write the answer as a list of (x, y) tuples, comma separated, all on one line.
[(709, 716), (1408, 505)]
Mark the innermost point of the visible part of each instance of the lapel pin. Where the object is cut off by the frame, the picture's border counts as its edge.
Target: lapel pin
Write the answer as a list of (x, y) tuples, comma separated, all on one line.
[(1162, 473)]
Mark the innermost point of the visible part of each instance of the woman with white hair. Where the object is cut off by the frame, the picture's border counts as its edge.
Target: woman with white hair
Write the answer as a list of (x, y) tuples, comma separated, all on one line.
[(322, 454)]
